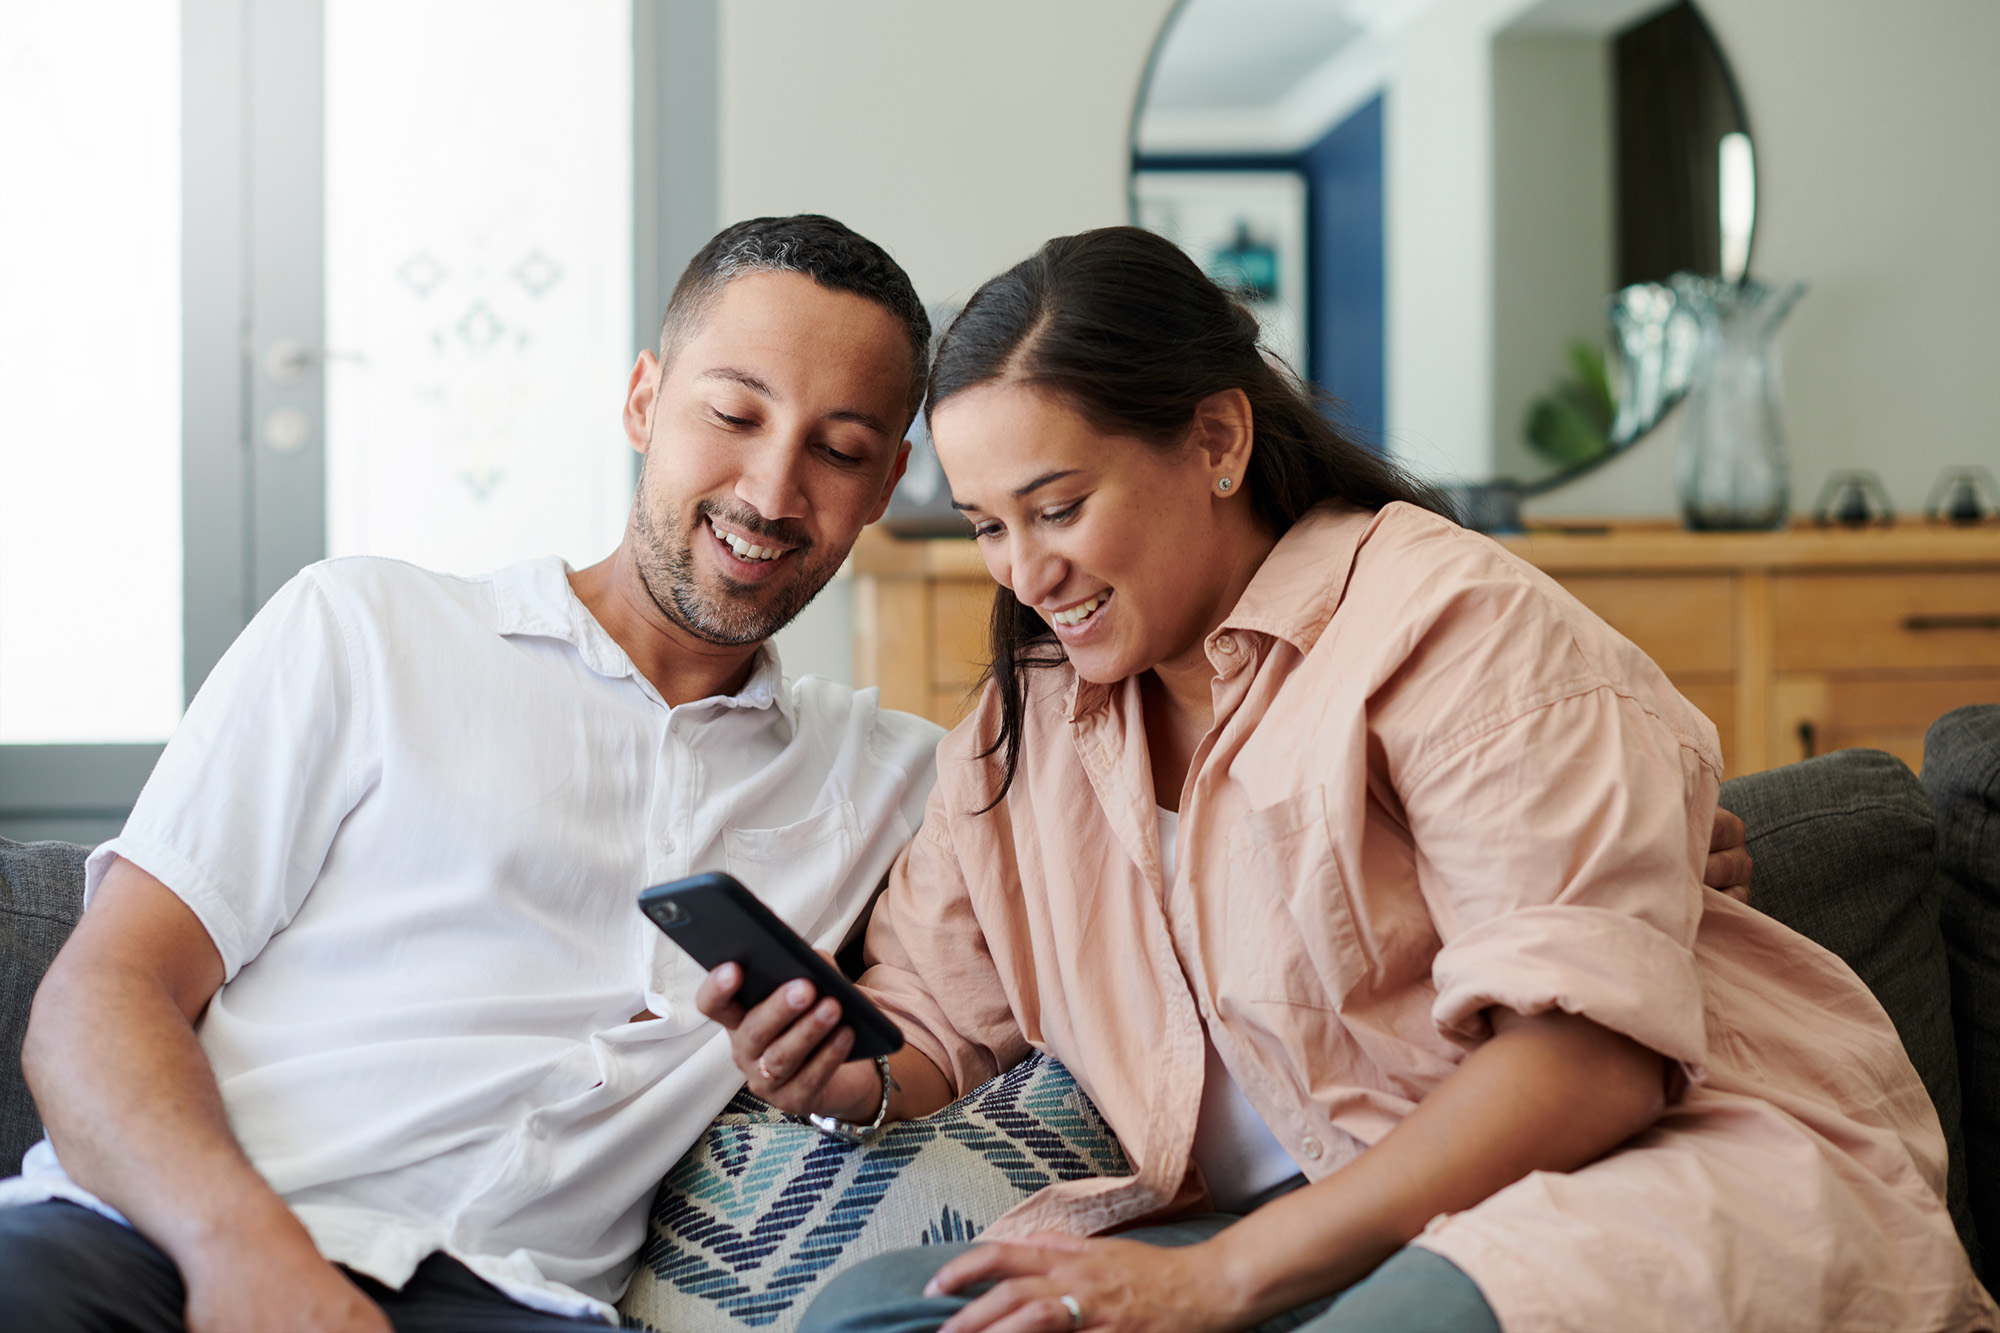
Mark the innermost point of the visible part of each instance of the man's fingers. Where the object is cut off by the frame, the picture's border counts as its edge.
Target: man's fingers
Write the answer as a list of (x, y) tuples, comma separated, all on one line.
[(1727, 831), (1729, 870)]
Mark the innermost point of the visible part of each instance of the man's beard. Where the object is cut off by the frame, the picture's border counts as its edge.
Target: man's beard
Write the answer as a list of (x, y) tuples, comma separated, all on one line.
[(665, 560)]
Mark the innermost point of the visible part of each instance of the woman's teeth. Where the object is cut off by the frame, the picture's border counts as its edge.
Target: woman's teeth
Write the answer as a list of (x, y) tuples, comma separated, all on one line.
[(1079, 613), (744, 550)]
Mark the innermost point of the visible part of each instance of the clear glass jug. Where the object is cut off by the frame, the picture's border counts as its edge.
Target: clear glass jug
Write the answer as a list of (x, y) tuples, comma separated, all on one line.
[(1732, 469)]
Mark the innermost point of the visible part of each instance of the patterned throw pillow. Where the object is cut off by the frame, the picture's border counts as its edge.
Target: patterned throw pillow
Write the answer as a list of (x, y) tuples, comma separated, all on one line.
[(764, 1209)]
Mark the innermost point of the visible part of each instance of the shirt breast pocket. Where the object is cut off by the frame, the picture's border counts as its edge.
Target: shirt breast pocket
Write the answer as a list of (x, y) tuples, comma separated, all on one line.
[(1292, 932), (796, 868)]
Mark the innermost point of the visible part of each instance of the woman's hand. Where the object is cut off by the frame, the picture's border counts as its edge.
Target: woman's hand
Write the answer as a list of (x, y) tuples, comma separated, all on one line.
[(1115, 1284), (792, 1048)]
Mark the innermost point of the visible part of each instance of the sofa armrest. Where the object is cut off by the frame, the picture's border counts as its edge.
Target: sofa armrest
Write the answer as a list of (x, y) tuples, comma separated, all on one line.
[(1962, 775), (41, 896), (1843, 847)]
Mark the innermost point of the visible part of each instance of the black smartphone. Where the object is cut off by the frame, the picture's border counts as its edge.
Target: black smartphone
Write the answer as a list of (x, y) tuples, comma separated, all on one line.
[(716, 920)]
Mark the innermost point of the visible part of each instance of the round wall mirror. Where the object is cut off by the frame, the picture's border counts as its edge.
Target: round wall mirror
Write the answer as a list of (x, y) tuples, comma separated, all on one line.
[(1459, 218)]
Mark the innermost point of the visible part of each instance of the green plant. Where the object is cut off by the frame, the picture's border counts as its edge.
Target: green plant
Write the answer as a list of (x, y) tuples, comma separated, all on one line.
[(1571, 424)]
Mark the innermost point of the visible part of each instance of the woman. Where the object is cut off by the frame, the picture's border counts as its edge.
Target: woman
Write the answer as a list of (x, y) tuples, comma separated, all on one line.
[(1324, 841)]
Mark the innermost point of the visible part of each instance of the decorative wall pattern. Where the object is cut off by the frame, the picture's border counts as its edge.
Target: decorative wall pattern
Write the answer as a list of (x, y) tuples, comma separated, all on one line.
[(479, 279)]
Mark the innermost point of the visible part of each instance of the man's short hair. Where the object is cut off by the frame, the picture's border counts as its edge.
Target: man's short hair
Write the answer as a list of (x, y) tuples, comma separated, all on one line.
[(830, 253)]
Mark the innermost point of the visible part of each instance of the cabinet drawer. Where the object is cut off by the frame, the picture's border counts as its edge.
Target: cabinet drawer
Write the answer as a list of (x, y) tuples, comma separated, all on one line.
[(1685, 623), (1860, 622), (960, 612)]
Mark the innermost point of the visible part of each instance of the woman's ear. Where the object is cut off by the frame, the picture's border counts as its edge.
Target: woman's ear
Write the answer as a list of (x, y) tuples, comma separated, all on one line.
[(1223, 430)]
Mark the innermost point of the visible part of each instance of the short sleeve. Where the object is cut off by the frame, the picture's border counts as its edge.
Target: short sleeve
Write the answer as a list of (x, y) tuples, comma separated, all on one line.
[(930, 967), (239, 813), (1559, 852)]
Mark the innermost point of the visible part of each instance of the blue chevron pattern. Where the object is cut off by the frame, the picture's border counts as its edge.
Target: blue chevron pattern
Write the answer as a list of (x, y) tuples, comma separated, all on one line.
[(764, 1208)]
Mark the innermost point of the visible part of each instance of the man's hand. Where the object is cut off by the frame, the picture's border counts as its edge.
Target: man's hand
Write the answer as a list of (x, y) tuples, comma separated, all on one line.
[(132, 1107), (1728, 857), (253, 1283)]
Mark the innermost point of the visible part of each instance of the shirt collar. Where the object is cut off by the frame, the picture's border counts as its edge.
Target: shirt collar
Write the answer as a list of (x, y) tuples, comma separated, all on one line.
[(535, 598), (1295, 592), (1292, 596)]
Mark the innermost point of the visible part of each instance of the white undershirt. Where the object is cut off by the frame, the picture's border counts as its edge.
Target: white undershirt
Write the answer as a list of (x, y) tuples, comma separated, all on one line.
[(1238, 1155)]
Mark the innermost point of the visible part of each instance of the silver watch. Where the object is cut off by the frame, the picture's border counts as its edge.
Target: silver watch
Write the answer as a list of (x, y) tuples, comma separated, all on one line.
[(846, 1130)]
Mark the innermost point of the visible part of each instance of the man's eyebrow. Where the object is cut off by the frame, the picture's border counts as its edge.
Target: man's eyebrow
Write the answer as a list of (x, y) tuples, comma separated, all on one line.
[(1022, 492), (868, 419), (742, 377), (763, 390)]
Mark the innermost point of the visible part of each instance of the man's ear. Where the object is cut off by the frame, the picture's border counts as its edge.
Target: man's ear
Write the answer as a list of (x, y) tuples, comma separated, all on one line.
[(641, 396), (896, 470)]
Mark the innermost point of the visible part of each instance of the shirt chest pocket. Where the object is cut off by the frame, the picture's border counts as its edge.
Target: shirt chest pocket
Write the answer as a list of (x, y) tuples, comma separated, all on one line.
[(795, 869), (1292, 931)]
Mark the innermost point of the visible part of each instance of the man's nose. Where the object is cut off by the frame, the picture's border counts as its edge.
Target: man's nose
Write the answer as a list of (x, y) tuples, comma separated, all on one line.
[(773, 480)]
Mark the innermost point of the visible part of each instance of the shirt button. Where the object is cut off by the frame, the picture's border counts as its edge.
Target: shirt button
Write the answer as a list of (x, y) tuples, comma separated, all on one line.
[(667, 843), (1225, 643), (1310, 1146)]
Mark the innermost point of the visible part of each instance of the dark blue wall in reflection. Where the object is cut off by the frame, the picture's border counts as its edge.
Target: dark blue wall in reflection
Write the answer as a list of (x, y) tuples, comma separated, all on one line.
[(1344, 289)]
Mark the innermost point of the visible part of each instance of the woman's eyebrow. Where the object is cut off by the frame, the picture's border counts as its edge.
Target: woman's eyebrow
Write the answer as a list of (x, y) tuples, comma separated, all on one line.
[(1021, 492)]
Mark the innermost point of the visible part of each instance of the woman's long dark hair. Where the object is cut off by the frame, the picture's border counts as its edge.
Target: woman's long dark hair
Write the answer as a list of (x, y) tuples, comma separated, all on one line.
[(1124, 326)]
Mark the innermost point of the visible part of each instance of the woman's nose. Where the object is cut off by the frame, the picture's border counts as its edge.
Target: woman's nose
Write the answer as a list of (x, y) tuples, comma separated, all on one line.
[(1037, 571)]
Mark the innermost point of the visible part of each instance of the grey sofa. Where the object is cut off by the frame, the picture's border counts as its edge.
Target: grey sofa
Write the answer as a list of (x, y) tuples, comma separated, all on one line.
[(1900, 877)]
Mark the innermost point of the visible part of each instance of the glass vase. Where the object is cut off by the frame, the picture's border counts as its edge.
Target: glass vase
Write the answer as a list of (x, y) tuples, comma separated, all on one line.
[(1732, 469)]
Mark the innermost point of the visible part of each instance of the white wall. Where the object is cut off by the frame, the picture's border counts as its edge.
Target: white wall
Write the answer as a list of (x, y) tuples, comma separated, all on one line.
[(1878, 183), (1437, 172), (1552, 221), (959, 136)]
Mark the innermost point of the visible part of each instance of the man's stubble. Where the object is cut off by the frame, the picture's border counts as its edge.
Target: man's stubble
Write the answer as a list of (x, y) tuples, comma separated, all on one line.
[(664, 557)]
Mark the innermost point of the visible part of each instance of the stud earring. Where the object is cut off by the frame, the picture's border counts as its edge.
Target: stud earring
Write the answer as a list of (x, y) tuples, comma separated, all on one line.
[(1224, 485)]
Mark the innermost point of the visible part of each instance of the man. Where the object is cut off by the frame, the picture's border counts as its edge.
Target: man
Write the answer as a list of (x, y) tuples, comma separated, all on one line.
[(362, 1025)]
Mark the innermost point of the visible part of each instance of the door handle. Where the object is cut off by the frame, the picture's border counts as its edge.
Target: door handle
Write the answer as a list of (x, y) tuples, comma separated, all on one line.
[(287, 360), (1922, 623)]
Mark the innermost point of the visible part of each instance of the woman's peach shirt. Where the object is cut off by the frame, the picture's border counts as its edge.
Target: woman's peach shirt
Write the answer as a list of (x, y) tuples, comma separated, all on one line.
[(1435, 784)]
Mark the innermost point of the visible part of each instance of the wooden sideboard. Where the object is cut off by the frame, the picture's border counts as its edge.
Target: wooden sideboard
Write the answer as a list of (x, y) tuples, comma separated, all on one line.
[(1793, 643)]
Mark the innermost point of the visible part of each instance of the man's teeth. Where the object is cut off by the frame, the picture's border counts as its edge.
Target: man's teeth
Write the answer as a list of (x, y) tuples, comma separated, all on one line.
[(745, 551), (1079, 613)]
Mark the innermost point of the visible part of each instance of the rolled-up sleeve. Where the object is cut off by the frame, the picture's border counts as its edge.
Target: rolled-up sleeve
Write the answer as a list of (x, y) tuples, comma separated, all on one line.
[(931, 966), (1560, 853)]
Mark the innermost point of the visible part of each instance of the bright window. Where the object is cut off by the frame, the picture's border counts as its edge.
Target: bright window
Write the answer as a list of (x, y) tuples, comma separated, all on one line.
[(90, 372)]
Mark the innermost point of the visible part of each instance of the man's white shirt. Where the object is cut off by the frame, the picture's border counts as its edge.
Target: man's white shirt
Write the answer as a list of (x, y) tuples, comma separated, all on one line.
[(413, 812)]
